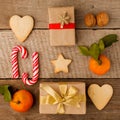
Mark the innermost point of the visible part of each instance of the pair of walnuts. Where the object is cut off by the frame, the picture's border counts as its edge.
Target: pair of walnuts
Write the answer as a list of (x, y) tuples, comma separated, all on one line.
[(101, 19)]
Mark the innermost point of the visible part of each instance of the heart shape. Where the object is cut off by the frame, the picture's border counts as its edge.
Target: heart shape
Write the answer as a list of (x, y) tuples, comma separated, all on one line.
[(100, 96), (21, 26)]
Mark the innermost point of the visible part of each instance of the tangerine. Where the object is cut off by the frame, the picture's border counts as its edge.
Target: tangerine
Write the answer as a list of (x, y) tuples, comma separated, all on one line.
[(100, 69), (22, 101)]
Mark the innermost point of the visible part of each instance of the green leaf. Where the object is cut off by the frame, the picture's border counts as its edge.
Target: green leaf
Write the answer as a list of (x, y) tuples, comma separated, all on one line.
[(84, 50), (101, 45), (109, 39), (94, 51), (7, 96), (97, 48), (4, 90)]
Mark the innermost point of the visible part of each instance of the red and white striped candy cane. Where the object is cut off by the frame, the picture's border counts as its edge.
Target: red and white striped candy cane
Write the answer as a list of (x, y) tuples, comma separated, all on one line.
[(35, 60), (14, 55)]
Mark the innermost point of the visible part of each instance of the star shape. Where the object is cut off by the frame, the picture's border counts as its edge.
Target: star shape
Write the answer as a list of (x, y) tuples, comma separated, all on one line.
[(61, 64), (64, 19)]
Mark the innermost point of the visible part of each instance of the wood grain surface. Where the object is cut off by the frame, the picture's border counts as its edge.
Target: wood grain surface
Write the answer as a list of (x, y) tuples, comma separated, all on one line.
[(39, 10), (39, 41)]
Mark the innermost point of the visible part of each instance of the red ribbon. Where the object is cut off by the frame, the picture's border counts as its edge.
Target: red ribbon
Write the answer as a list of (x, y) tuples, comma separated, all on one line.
[(57, 26)]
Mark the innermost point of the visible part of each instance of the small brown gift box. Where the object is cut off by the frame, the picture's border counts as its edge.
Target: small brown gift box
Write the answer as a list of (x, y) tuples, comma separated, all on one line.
[(64, 36), (52, 108)]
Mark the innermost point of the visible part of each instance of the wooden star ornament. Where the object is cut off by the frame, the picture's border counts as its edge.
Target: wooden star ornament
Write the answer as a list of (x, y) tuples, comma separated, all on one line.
[(61, 64)]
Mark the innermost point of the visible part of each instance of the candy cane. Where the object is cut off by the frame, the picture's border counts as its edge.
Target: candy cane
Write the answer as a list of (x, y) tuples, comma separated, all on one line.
[(35, 60), (14, 55)]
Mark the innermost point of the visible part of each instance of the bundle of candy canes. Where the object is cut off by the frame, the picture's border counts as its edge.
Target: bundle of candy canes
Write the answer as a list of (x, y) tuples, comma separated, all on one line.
[(15, 67)]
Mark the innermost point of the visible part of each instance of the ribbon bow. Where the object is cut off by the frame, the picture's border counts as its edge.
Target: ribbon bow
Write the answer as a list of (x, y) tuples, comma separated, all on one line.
[(68, 96), (64, 19)]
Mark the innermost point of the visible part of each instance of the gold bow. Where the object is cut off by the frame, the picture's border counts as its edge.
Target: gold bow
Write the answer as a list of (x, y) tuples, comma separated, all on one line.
[(68, 96), (64, 19)]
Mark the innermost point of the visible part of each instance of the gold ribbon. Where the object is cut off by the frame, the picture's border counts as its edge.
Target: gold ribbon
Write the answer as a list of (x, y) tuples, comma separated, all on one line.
[(68, 96), (64, 19)]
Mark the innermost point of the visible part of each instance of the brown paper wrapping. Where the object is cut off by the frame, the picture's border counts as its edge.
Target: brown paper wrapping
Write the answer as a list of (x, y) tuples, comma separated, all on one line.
[(61, 37), (51, 109)]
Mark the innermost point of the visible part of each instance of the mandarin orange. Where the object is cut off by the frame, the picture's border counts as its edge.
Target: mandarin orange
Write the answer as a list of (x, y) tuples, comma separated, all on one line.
[(22, 101), (100, 69)]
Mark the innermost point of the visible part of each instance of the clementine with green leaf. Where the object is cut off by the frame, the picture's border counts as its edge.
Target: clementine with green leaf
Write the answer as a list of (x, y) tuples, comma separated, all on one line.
[(99, 64)]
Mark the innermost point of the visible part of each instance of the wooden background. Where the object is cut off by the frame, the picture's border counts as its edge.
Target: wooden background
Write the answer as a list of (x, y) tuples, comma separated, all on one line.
[(39, 41)]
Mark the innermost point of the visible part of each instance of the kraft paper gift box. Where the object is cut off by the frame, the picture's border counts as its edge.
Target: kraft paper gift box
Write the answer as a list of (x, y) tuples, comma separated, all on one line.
[(61, 26), (62, 98)]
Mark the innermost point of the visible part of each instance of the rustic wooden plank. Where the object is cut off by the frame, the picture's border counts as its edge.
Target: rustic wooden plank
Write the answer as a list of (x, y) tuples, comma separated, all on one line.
[(38, 9), (39, 41), (110, 112)]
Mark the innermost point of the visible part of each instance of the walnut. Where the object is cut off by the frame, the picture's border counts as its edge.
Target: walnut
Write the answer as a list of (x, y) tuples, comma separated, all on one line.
[(102, 19), (90, 20)]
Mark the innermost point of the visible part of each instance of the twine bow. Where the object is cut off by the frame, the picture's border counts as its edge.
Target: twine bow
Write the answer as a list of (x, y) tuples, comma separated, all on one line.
[(64, 19), (68, 96)]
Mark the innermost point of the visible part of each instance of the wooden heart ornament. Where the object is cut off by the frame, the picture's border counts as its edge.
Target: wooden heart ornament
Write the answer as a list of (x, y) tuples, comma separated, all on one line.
[(21, 26), (100, 96)]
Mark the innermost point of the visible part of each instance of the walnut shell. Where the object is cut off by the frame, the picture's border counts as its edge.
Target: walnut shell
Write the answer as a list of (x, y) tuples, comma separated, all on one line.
[(90, 20), (102, 19)]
